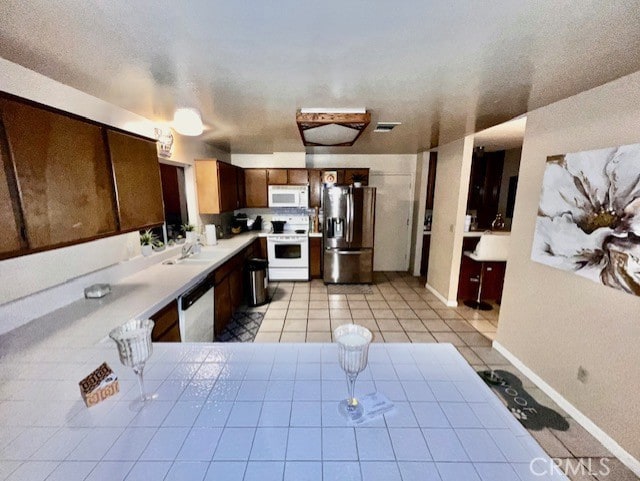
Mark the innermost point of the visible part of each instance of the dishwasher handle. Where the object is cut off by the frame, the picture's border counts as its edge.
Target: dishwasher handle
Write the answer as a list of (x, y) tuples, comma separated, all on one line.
[(191, 296)]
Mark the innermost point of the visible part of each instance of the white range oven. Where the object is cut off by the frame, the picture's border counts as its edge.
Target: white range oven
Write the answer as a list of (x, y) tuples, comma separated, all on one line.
[(288, 252)]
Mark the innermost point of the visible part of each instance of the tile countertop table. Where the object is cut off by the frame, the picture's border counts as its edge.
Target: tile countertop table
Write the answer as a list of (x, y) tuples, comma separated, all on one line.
[(258, 412)]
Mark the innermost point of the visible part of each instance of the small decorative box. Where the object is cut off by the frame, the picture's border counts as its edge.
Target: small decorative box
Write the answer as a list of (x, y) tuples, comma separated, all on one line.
[(99, 385)]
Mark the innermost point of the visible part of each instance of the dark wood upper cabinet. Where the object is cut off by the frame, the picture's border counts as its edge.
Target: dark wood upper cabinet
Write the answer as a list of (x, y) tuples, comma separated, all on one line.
[(315, 187), (256, 187), (11, 240), (484, 186), (241, 183), (228, 180), (277, 176), (297, 176), (431, 179), (137, 176), (63, 176)]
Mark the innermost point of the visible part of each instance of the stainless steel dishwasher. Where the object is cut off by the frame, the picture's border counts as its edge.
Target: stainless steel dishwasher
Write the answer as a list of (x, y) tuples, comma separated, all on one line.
[(196, 312)]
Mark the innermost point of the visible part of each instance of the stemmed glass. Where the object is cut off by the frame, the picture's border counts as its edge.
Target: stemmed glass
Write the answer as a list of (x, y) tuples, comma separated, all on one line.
[(133, 339), (353, 350)]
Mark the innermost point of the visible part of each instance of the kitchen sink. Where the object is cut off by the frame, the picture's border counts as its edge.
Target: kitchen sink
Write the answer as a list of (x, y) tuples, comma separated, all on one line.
[(203, 257)]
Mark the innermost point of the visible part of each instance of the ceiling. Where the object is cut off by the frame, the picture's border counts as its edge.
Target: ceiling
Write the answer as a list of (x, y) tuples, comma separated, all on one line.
[(505, 136), (442, 68)]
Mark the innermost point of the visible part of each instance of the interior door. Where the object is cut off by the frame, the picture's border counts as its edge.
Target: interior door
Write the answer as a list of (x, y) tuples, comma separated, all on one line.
[(393, 210)]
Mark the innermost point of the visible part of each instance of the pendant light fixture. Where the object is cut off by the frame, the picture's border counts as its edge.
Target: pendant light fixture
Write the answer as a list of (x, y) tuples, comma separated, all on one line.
[(187, 121), (329, 127)]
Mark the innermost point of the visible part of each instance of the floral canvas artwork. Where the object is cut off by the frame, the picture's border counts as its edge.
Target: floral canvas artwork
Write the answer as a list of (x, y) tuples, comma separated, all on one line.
[(589, 216)]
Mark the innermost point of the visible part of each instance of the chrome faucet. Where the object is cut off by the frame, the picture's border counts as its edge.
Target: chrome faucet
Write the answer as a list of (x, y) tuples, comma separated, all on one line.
[(190, 248), (187, 250)]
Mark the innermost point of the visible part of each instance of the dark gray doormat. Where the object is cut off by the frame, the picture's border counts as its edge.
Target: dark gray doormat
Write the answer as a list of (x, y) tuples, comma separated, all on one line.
[(531, 414), (242, 327), (349, 289)]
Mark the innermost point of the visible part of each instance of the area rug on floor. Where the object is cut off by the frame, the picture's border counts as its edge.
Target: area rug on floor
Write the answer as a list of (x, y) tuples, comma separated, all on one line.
[(531, 414), (349, 289), (243, 327)]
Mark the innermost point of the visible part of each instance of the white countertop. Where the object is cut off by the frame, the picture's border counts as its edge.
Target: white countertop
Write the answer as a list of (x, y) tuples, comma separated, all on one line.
[(258, 412), (136, 296)]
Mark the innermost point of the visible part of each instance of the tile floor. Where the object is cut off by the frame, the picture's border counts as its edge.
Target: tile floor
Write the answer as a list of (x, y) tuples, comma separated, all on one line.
[(402, 310)]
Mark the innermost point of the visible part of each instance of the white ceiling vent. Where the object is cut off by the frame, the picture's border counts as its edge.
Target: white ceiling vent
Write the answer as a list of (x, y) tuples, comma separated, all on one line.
[(386, 126)]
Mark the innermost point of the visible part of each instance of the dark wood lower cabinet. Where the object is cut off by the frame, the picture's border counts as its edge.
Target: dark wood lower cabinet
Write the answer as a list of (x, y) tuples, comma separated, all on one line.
[(223, 311), (229, 290), (263, 248), (469, 280), (167, 326), (424, 261), (315, 257)]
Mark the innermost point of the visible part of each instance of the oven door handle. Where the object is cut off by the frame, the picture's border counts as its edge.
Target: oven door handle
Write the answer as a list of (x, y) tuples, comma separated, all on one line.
[(282, 241)]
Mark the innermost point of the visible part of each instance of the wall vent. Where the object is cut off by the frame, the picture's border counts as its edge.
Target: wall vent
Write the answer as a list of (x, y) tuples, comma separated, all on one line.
[(386, 126)]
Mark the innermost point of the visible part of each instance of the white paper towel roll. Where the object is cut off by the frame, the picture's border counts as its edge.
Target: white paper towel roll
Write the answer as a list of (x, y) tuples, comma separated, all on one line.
[(210, 234)]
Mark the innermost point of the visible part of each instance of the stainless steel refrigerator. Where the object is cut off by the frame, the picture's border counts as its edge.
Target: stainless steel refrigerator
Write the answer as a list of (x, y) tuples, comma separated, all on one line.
[(349, 218)]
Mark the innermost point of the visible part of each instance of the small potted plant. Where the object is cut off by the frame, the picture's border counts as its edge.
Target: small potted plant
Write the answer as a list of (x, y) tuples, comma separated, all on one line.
[(189, 232), (158, 246), (358, 179), (147, 239)]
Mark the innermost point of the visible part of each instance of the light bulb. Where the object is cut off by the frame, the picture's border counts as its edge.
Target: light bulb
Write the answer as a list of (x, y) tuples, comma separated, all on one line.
[(187, 122)]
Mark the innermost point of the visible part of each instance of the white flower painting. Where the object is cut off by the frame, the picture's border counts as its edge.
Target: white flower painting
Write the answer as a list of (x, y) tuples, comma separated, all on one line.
[(589, 216)]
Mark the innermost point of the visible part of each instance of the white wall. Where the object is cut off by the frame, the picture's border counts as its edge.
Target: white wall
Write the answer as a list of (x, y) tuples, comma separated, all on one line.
[(449, 208), (552, 320), (290, 160), (380, 165), (40, 271)]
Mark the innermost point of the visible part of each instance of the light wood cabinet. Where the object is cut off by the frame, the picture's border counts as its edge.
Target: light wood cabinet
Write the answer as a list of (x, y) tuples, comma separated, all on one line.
[(277, 176), (63, 176), (217, 184), (256, 187), (137, 176)]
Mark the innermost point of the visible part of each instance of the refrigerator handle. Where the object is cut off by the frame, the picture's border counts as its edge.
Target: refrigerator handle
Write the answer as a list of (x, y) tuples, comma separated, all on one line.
[(350, 216)]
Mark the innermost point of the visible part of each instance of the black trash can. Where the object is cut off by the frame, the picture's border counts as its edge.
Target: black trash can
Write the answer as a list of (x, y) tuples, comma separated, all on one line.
[(257, 281)]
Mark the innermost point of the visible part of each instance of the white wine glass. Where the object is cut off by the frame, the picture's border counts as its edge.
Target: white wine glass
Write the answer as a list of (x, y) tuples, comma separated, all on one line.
[(353, 352), (133, 339)]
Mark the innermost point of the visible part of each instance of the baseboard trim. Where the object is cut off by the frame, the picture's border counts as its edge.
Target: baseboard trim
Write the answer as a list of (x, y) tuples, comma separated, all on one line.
[(440, 297), (607, 441)]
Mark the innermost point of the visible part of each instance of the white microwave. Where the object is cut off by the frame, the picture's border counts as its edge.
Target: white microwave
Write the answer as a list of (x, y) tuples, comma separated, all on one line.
[(289, 196)]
